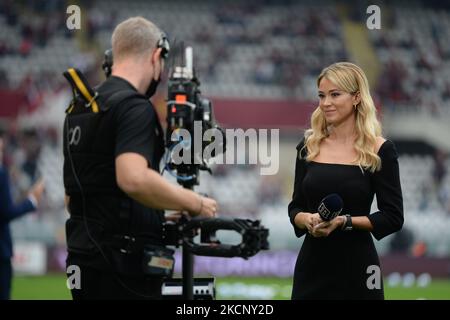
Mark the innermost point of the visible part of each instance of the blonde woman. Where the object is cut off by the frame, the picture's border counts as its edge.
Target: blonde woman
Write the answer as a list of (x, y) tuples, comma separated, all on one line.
[(344, 153)]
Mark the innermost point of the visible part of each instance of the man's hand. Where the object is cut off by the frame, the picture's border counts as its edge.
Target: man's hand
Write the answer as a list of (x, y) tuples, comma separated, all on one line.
[(207, 208), (37, 190), (324, 229)]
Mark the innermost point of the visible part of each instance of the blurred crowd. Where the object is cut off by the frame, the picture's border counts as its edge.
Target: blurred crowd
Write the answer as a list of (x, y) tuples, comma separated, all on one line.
[(415, 52), (286, 49)]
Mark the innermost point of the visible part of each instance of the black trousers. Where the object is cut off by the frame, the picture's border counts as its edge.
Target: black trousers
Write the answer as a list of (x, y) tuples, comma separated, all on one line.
[(101, 284), (5, 279)]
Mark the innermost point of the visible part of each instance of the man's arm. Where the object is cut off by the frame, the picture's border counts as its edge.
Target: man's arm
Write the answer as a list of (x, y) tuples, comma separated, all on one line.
[(10, 211), (150, 189)]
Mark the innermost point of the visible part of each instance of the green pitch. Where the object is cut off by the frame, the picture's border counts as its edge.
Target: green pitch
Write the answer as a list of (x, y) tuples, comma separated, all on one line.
[(53, 287)]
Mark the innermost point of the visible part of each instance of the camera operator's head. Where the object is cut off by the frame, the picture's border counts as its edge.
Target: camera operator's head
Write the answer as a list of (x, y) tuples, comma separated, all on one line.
[(139, 51)]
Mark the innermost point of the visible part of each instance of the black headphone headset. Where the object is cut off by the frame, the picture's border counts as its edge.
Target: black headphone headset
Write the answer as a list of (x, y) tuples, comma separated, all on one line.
[(163, 43)]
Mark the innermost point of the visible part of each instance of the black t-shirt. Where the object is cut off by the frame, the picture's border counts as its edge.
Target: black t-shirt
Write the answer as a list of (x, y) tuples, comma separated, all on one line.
[(129, 126), (137, 130), (137, 126)]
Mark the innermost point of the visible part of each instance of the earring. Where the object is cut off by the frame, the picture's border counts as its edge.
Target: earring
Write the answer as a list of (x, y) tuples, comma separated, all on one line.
[(354, 106)]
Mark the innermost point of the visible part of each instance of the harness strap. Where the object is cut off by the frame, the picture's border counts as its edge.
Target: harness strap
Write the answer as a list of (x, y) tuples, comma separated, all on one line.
[(80, 85)]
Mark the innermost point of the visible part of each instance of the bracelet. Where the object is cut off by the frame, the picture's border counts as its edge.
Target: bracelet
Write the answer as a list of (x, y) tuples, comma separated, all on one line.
[(345, 222), (348, 223)]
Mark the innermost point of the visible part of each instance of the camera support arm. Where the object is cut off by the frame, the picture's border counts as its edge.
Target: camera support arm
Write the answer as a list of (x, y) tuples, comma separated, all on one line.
[(254, 237)]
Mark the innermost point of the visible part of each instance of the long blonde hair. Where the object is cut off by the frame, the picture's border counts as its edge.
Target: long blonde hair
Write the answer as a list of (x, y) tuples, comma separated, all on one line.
[(351, 79)]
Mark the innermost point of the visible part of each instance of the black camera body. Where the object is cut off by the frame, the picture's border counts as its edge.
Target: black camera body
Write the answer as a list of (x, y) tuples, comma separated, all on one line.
[(189, 111)]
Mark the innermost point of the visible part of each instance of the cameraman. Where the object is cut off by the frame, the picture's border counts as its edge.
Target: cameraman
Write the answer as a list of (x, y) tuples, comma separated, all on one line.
[(115, 194)]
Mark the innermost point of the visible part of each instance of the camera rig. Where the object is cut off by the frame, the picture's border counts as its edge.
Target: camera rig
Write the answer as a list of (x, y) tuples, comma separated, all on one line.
[(189, 115), (182, 233), (254, 236)]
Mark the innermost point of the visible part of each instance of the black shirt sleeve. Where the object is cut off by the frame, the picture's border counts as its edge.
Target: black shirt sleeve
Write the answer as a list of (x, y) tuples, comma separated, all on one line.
[(386, 183), (298, 203), (8, 210), (136, 130)]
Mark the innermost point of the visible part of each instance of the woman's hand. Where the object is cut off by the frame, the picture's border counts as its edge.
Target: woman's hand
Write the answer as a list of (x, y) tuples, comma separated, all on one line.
[(306, 220), (324, 229)]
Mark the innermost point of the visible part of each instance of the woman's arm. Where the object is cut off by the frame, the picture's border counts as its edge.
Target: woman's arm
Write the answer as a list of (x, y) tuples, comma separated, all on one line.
[(362, 223), (297, 206), (386, 183), (324, 229)]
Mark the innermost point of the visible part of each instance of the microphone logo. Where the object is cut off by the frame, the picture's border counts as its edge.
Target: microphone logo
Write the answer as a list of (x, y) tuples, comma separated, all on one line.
[(330, 207), (324, 212)]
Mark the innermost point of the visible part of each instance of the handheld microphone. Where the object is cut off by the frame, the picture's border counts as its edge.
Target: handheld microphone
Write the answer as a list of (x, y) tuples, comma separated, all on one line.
[(330, 207)]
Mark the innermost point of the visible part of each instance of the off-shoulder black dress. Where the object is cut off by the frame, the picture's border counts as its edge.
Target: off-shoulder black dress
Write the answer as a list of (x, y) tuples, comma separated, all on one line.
[(339, 266)]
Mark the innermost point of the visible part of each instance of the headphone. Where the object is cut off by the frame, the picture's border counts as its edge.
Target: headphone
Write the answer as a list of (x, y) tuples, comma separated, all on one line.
[(163, 43)]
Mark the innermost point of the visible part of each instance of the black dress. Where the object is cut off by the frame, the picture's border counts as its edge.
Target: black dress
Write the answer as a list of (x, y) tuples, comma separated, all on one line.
[(336, 267)]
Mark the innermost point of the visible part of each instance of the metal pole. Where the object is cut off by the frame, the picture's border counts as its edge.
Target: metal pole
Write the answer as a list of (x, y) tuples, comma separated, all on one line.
[(188, 274), (188, 269)]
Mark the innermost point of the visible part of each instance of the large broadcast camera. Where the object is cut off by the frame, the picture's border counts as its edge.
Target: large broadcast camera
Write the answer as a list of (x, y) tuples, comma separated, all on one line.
[(189, 117)]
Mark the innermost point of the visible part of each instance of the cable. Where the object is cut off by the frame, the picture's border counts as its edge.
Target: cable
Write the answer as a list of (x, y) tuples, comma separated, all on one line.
[(83, 201)]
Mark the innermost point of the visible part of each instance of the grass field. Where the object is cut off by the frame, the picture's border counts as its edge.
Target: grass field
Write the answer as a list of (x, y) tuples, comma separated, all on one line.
[(53, 287)]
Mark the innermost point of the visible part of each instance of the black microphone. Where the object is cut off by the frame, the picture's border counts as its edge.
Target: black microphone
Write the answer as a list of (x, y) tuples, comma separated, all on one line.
[(330, 207)]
